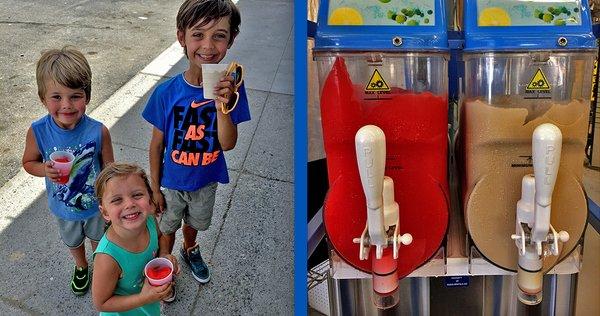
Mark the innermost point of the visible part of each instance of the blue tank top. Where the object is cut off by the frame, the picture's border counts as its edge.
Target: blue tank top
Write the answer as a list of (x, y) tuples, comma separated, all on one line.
[(74, 200), (132, 269)]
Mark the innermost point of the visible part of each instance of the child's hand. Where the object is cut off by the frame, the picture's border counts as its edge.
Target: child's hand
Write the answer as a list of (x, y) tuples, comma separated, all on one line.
[(156, 293), (224, 89), (174, 262), (159, 199), (51, 173)]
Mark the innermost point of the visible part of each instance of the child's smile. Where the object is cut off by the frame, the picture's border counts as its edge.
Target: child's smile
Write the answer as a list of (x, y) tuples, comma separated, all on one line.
[(132, 217)]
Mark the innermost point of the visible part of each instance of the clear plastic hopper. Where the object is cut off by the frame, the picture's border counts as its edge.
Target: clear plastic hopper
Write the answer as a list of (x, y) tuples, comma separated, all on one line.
[(398, 100), (508, 95)]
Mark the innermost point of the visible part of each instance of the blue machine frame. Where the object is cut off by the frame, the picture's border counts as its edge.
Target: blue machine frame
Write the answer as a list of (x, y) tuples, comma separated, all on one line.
[(379, 38), (511, 38)]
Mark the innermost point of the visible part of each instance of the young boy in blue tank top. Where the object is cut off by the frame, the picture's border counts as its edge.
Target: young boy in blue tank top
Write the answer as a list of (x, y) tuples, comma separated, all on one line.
[(64, 81), (190, 133), (130, 242)]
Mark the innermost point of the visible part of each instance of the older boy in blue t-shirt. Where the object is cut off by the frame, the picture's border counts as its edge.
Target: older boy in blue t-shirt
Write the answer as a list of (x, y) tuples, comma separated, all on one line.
[(190, 133)]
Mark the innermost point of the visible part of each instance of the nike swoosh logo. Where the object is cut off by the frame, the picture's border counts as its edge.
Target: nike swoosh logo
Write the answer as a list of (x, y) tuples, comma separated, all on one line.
[(197, 104)]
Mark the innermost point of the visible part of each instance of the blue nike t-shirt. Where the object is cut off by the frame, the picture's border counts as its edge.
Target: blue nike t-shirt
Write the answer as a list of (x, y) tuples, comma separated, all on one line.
[(193, 156)]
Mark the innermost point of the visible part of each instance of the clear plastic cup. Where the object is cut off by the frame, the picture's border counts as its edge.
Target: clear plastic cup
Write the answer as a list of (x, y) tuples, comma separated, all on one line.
[(159, 271), (211, 75), (63, 161)]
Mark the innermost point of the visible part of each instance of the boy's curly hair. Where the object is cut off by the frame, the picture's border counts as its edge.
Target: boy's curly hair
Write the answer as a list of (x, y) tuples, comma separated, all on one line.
[(119, 169), (67, 67), (194, 11)]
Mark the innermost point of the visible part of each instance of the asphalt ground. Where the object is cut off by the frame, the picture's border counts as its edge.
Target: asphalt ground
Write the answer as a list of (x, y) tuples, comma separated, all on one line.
[(249, 246)]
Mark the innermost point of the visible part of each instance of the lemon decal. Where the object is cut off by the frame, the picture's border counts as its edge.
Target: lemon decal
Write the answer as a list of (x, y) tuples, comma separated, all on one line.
[(494, 16), (345, 16)]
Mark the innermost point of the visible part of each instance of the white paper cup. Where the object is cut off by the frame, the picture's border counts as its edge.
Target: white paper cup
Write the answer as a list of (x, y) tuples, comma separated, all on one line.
[(211, 75), (63, 161), (153, 268)]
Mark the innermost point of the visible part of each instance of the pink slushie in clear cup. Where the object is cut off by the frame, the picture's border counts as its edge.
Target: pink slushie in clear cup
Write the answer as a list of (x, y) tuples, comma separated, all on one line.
[(159, 271), (63, 161)]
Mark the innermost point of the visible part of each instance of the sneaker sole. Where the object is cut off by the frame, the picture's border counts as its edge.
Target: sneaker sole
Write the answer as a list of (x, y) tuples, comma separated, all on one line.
[(203, 281), (170, 299)]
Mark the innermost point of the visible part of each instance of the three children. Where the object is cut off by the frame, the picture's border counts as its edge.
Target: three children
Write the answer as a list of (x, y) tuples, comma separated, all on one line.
[(186, 163)]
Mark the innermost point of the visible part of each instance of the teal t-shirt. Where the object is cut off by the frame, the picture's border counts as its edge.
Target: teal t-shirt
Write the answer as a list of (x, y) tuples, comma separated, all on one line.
[(132, 269)]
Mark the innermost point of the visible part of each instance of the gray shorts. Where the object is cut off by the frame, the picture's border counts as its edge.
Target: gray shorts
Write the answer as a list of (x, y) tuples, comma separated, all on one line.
[(195, 208), (73, 233)]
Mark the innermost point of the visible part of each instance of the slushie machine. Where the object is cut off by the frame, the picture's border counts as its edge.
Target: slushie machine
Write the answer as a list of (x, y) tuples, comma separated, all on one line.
[(485, 189), (384, 110), (523, 130)]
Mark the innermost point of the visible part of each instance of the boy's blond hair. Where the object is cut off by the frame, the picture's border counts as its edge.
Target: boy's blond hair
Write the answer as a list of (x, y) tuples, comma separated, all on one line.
[(67, 67), (119, 169), (194, 11)]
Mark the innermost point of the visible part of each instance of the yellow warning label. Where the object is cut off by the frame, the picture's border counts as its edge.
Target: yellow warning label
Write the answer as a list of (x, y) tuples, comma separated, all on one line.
[(538, 82), (376, 83)]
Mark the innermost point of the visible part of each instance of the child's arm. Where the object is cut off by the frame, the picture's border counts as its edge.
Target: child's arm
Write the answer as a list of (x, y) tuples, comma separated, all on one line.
[(32, 160), (226, 130), (165, 249), (104, 281), (108, 156), (157, 149)]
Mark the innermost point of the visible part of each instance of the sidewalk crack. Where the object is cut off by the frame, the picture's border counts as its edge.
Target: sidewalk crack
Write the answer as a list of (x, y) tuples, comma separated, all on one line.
[(235, 182), (19, 305), (289, 40), (246, 172), (58, 25)]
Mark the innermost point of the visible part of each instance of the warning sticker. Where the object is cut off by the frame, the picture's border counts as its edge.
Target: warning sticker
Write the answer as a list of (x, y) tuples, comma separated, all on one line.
[(538, 82), (376, 83)]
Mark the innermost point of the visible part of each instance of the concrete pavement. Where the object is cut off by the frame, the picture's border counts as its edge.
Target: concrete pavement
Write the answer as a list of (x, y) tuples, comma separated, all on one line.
[(249, 246)]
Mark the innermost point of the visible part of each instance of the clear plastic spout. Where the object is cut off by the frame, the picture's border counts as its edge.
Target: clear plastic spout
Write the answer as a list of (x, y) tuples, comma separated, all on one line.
[(385, 282)]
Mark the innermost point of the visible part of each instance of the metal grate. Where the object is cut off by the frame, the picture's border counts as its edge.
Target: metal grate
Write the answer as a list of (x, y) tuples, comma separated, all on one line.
[(318, 293)]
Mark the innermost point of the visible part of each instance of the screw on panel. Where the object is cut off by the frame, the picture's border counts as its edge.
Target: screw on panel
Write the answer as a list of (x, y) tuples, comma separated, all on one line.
[(562, 41), (397, 40)]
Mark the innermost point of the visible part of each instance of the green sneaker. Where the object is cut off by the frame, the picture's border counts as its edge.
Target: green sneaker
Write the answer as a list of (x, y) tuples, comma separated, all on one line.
[(81, 281)]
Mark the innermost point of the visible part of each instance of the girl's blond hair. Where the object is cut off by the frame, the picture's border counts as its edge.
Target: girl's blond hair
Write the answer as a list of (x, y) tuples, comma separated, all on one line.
[(117, 169)]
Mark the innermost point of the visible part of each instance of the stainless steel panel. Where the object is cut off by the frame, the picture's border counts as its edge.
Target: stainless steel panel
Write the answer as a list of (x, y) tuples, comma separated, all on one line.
[(485, 295)]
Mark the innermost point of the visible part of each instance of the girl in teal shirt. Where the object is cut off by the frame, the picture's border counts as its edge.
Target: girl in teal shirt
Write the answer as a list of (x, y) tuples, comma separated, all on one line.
[(118, 285)]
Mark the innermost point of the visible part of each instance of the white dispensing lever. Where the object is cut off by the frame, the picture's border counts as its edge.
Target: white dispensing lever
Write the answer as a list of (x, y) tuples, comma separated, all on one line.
[(547, 147), (533, 228), (382, 210)]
